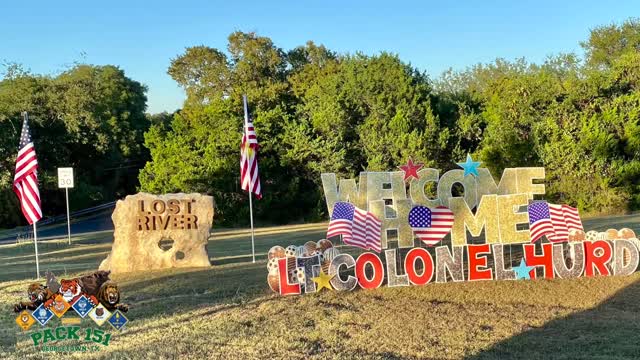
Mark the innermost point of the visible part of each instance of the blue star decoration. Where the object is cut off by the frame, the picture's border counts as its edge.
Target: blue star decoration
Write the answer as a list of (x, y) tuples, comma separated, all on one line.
[(522, 271), (470, 166)]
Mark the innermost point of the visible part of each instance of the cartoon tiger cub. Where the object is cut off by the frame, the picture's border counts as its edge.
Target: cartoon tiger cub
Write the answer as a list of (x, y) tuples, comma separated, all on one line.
[(88, 285), (37, 294), (71, 291)]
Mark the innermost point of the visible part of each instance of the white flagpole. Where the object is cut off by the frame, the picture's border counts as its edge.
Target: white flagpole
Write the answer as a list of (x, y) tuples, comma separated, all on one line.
[(253, 246), (246, 122), (35, 231), (66, 192), (35, 243)]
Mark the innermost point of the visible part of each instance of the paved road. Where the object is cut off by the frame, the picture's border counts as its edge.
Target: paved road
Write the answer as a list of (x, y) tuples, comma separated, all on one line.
[(102, 222), (94, 223)]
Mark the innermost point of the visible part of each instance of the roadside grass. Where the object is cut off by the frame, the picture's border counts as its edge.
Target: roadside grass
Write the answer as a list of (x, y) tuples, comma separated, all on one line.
[(228, 312)]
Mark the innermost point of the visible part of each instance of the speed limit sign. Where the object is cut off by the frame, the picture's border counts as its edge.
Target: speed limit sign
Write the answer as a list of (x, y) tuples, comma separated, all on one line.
[(65, 178)]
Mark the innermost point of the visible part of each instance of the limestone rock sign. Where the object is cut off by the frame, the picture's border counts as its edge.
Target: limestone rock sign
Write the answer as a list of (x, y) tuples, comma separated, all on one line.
[(159, 232)]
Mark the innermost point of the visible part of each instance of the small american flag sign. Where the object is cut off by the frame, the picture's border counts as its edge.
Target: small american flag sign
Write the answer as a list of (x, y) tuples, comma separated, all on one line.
[(554, 221), (358, 227)]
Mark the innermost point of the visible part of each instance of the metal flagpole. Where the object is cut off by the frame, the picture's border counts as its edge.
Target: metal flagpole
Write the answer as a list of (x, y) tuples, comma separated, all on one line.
[(246, 123), (35, 243), (66, 192), (35, 231), (253, 246)]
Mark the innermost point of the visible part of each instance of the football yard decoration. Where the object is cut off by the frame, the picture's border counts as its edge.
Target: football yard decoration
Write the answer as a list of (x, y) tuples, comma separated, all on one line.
[(386, 228)]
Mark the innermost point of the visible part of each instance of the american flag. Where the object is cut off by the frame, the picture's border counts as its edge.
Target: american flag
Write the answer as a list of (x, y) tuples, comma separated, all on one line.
[(431, 225), (249, 177), (358, 227), (554, 221), (25, 181)]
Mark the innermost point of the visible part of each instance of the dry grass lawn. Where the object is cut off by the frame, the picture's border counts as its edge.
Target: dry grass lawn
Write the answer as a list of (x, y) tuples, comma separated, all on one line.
[(228, 311)]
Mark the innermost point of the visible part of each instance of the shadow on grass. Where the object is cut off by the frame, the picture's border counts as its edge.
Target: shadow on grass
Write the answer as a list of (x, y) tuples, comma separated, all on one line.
[(167, 293), (237, 249), (609, 331), (236, 259)]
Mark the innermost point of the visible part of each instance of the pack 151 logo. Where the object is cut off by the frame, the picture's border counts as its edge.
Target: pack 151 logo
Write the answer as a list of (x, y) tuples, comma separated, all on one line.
[(61, 308)]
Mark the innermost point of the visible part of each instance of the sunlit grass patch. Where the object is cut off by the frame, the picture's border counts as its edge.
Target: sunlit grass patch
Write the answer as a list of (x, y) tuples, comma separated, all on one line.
[(227, 311)]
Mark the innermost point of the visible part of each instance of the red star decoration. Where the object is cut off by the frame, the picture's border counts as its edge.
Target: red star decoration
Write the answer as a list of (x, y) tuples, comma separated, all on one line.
[(410, 170)]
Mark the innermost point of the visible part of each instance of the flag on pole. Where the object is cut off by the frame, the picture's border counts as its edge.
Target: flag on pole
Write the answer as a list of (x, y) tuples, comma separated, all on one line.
[(249, 177), (25, 181), (554, 221), (358, 227)]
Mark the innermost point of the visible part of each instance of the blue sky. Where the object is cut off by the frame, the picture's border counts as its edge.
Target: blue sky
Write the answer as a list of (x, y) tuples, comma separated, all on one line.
[(48, 36)]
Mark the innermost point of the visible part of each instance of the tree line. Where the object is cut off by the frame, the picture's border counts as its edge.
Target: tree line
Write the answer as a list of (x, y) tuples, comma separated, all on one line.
[(91, 118), (316, 110)]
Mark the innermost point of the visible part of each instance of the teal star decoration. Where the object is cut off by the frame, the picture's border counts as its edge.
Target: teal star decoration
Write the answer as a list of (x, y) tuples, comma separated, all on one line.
[(522, 271), (470, 166)]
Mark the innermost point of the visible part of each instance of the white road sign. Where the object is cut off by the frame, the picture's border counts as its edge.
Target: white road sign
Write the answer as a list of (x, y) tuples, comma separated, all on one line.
[(65, 178)]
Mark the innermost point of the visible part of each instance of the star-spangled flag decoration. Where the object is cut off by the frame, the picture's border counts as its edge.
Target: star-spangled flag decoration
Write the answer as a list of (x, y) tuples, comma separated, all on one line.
[(410, 170), (358, 227), (470, 167), (431, 225), (249, 177), (553, 221), (25, 180)]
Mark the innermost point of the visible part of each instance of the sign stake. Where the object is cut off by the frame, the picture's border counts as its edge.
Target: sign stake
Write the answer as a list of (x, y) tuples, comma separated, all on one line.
[(253, 246), (66, 192), (65, 180)]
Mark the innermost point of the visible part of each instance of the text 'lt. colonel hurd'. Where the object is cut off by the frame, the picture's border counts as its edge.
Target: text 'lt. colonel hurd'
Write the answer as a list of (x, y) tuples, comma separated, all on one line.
[(498, 215), (159, 232)]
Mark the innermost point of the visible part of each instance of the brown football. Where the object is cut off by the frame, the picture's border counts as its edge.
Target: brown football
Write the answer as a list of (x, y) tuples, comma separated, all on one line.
[(577, 235), (626, 233), (274, 282), (612, 234), (324, 244), (276, 252), (310, 248)]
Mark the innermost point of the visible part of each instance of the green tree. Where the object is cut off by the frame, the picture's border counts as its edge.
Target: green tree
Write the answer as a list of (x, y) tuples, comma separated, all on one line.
[(200, 150), (88, 117), (319, 111), (607, 43)]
